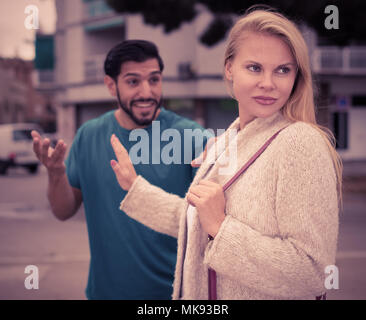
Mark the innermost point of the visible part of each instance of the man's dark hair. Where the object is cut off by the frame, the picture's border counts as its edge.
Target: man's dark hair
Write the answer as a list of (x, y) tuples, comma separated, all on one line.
[(130, 50)]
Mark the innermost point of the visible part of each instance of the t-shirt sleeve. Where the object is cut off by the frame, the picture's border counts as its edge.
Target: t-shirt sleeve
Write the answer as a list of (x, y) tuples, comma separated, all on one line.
[(71, 163)]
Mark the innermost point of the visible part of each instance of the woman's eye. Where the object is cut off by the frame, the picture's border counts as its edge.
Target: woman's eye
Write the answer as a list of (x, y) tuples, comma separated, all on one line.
[(284, 70), (254, 68)]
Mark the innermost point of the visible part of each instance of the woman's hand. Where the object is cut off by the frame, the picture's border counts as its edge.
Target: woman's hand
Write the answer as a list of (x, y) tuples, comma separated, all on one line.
[(209, 200), (196, 163), (123, 169)]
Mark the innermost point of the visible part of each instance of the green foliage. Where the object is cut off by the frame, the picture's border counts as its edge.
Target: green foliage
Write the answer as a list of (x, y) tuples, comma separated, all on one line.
[(216, 30), (169, 13), (172, 13)]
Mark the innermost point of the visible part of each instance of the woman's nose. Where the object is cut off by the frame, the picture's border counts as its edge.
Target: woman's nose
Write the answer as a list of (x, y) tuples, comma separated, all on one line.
[(266, 82)]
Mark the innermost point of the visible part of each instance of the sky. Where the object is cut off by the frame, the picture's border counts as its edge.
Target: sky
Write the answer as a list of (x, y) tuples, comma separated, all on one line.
[(15, 39)]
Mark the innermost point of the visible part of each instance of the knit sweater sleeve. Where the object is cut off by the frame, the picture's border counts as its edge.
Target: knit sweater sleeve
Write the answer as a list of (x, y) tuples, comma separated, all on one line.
[(153, 207), (292, 264)]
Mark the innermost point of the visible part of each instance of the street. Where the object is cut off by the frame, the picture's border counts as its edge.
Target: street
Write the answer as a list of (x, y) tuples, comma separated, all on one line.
[(30, 235)]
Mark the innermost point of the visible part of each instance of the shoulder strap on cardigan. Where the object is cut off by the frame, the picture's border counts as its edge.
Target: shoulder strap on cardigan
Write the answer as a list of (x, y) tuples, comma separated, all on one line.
[(251, 160)]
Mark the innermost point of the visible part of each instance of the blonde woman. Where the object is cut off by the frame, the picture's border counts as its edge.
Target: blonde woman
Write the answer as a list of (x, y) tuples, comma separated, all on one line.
[(274, 231)]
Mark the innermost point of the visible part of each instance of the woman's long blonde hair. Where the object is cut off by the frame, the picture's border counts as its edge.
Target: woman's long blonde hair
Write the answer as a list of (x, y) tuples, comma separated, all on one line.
[(300, 105)]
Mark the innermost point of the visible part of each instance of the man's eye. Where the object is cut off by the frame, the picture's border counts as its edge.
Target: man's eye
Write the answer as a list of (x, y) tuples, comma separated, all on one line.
[(154, 80), (132, 82), (254, 68)]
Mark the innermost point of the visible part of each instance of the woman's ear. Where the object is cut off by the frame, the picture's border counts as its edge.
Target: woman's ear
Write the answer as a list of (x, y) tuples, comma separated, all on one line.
[(111, 85), (228, 71)]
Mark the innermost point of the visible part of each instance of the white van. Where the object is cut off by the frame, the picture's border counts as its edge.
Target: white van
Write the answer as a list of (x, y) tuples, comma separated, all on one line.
[(16, 147)]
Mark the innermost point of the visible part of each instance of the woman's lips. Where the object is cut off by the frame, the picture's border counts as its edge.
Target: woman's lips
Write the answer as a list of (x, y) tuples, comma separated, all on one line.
[(265, 100)]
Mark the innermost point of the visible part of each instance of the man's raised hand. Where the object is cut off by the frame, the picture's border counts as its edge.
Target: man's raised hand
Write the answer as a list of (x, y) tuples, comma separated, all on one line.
[(123, 167), (51, 158)]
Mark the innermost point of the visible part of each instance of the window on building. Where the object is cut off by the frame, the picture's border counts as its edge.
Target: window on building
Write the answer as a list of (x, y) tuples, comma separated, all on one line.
[(359, 101), (340, 126)]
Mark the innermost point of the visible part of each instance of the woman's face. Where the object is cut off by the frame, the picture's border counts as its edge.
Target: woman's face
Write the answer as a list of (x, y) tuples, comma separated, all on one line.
[(262, 73)]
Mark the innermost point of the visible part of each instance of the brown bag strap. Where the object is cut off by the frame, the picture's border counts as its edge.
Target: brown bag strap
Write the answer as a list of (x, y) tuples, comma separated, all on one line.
[(251, 160)]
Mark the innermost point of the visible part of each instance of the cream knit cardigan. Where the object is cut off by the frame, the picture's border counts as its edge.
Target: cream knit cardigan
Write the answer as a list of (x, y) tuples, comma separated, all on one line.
[(281, 224)]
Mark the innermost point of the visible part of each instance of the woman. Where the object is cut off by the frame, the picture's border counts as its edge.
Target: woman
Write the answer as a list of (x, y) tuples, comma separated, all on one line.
[(275, 229)]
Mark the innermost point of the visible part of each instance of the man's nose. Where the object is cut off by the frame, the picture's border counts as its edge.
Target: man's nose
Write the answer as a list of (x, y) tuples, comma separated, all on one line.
[(145, 89)]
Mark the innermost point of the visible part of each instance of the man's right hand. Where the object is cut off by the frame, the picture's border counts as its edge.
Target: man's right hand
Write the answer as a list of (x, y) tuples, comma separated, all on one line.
[(51, 158)]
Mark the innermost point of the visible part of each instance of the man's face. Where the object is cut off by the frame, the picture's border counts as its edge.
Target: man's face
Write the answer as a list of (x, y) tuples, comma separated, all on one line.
[(139, 90)]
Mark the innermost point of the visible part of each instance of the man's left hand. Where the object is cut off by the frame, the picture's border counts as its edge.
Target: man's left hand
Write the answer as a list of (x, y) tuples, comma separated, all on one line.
[(123, 167)]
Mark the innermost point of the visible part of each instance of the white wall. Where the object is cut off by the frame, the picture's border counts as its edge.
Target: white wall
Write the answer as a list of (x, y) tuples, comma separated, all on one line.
[(66, 123), (174, 47), (101, 42), (209, 60), (347, 86), (69, 42), (183, 46), (75, 54), (87, 94), (74, 11)]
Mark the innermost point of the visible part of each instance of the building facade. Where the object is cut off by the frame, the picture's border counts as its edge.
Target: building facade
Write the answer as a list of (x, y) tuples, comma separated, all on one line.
[(192, 81), (19, 99), (341, 77)]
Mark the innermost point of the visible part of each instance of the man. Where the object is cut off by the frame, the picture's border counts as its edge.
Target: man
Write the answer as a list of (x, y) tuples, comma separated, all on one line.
[(128, 260)]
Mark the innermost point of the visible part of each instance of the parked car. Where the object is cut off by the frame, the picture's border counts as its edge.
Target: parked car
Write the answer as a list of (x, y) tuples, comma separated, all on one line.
[(16, 147)]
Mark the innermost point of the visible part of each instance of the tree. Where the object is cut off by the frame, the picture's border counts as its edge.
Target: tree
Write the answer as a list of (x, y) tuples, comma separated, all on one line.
[(168, 13), (172, 13)]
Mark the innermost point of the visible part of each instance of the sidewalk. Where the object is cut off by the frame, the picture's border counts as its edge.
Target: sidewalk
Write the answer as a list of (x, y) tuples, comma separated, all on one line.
[(58, 249), (354, 177), (354, 168)]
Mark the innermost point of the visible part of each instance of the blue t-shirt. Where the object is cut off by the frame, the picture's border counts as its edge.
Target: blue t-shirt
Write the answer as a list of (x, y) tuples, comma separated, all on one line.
[(128, 259)]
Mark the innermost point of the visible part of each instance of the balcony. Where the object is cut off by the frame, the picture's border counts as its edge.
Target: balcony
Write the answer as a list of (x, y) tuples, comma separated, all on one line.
[(342, 61), (46, 76), (94, 68), (96, 8), (99, 17), (44, 79)]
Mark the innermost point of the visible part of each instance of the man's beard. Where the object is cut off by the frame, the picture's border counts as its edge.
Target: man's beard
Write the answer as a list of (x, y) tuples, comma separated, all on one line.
[(137, 121)]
